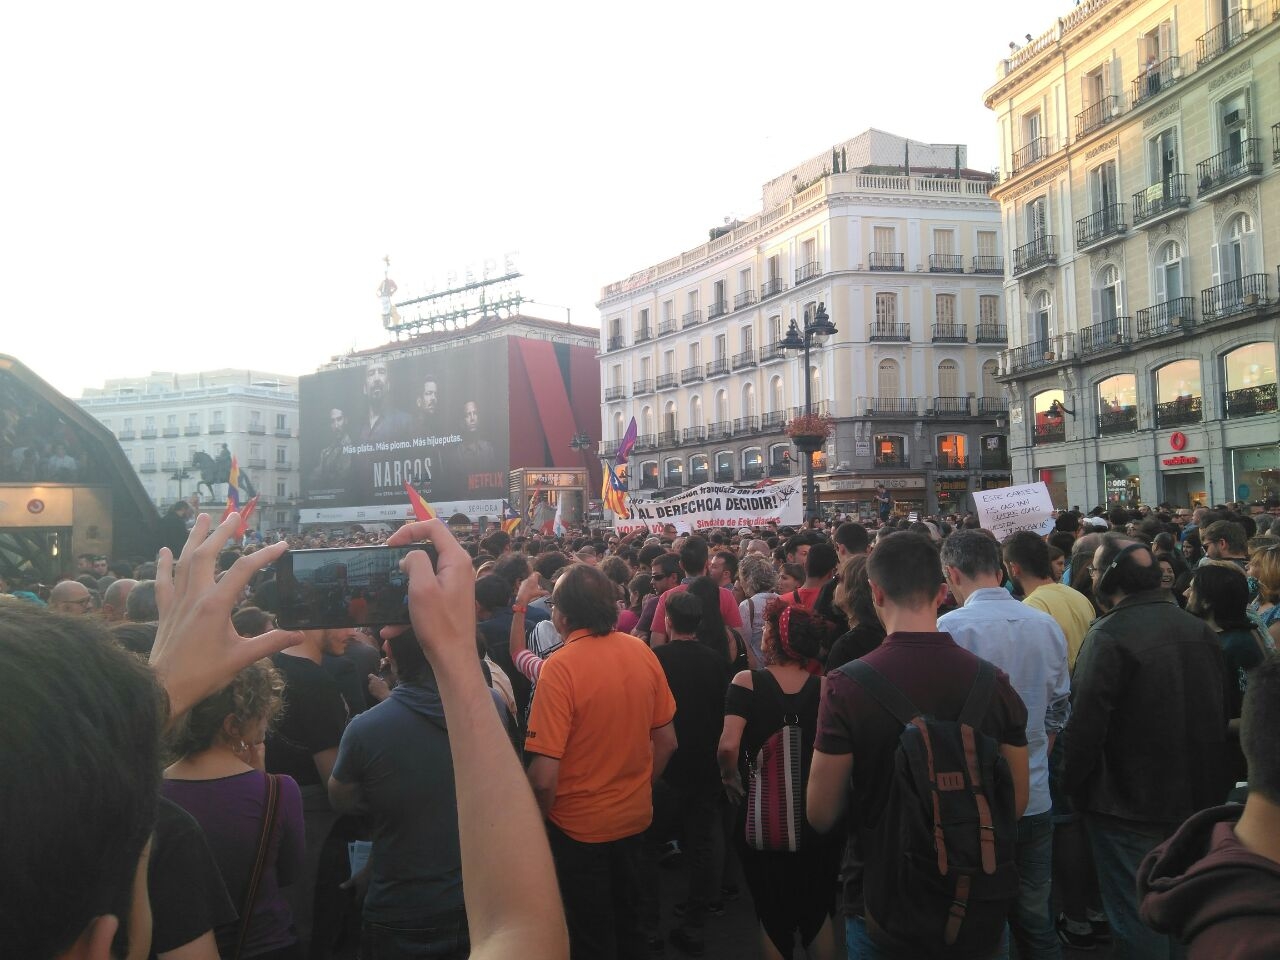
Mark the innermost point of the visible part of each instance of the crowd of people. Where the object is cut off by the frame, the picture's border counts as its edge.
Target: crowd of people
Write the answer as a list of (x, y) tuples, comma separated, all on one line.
[(903, 737)]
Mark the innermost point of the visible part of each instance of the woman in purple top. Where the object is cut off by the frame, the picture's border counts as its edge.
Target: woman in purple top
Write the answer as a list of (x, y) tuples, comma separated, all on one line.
[(220, 780)]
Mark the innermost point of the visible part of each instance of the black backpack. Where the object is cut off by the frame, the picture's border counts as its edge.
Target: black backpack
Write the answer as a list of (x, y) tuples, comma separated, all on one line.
[(940, 872)]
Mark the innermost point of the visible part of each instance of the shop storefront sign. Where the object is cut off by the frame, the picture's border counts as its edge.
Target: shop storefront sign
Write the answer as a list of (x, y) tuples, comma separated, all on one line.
[(1179, 461)]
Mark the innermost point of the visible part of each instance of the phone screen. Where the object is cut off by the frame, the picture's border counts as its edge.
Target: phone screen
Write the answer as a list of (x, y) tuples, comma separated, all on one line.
[(343, 587)]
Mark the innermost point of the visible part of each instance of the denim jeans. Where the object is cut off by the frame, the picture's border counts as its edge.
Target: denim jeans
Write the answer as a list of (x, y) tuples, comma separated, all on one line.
[(860, 946), (1031, 919), (435, 938), (1118, 849), (600, 886)]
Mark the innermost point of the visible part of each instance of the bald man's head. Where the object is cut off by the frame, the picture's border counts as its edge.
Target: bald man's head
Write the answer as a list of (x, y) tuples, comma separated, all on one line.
[(114, 600), (1122, 567), (70, 597)]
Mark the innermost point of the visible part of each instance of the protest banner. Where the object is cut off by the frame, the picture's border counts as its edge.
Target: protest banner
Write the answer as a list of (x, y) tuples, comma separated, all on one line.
[(713, 505), (1007, 510)]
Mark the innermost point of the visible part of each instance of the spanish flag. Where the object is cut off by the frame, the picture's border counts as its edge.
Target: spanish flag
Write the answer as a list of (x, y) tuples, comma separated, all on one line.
[(233, 489), (421, 509)]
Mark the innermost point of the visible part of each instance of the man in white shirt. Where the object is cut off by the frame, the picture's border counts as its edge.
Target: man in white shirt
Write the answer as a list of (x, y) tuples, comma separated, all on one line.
[(1030, 647)]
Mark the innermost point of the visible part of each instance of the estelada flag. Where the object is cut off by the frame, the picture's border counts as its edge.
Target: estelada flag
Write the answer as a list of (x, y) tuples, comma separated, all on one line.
[(510, 519), (421, 509), (614, 493)]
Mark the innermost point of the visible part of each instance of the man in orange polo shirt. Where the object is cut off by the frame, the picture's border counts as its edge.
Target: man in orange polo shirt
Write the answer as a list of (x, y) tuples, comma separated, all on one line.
[(600, 733)]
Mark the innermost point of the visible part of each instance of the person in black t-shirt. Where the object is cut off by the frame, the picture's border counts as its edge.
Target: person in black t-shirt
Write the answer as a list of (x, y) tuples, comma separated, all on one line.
[(304, 745), (188, 897), (690, 785)]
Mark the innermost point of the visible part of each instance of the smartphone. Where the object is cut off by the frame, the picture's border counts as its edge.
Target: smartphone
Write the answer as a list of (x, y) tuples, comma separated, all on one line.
[(343, 587)]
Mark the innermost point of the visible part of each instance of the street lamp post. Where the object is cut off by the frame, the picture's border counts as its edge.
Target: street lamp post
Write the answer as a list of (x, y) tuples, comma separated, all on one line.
[(818, 328), (582, 442)]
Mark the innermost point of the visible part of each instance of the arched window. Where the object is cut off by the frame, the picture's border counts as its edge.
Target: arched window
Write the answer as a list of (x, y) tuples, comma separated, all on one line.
[(752, 464), (695, 412), (1107, 297), (777, 401), (699, 469), (669, 417), (1040, 323), (724, 466), (948, 379), (722, 406), (1178, 398), (815, 385), (748, 400), (673, 472), (1235, 255), (1050, 417), (646, 421), (780, 460), (1118, 404), (649, 475), (989, 386), (888, 386), (1250, 376), (619, 426), (1169, 272)]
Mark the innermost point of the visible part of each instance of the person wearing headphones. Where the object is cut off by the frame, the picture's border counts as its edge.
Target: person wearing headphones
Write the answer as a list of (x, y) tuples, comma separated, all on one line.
[(1145, 745)]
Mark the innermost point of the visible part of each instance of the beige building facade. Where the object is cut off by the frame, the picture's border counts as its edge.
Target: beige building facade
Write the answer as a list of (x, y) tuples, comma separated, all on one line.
[(1139, 145), (902, 244)]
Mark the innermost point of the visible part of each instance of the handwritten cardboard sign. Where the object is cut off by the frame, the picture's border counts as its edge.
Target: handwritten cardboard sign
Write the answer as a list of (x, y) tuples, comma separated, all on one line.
[(1007, 510)]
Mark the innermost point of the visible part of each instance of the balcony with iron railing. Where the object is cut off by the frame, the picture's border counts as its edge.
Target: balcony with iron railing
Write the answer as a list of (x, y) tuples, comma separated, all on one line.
[(892, 460), (256, 463), (994, 460), (217, 428), (885, 261), (950, 461), (150, 467), (889, 332), (1040, 353), (946, 263), (1155, 78), (616, 342), (646, 441), (746, 298), (771, 288), (720, 430), (644, 334), (1105, 335), (126, 435), (773, 420), (667, 326), (1179, 412), (1234, 297), (257, 430), (780, 468), (690, 319), (1036, 255), (1239, 163), (609, 448), (992, 333), (992, 406), (168, 433), (1231, 31), (667, 381), (1097, 115), (692, 374), (641, 387), (1049, 430), (717, 309), (1161, 200), (753, 471), (950, 333), (1100, 226), (193, 430), (1118, 420), (951, 406), (668, 439), (771, 352), (1032, 152), (719, 367), (891, 406), (808, 272), (746, 425), (1250, 401), (988, 265), (1172, 316), (615, 393), (150, 433), (745, 359), (695, 434), (171, 466)]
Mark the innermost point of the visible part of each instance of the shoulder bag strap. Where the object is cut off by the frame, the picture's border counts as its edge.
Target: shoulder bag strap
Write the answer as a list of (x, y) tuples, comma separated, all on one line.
[(259, 863), (975, 706), (885, 693)]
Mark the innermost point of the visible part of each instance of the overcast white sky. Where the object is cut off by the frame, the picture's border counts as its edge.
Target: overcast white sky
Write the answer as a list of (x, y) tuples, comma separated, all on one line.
[(188, 187)]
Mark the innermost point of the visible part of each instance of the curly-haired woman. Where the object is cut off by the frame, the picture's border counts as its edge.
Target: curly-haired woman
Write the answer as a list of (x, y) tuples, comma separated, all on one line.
[(219, 778)]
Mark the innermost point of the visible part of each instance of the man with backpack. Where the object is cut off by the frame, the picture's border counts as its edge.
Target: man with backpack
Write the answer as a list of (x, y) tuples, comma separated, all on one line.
[(925, 746), (1030, 645)]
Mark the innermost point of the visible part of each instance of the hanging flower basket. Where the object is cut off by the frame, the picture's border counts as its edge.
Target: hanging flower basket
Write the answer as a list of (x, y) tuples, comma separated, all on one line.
[(810, 431)]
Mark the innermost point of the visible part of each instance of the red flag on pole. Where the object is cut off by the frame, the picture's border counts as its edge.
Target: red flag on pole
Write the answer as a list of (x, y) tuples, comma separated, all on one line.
[(421, 509)]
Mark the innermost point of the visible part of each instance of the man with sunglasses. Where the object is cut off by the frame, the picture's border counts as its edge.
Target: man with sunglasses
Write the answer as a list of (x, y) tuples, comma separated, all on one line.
[(664, 573)]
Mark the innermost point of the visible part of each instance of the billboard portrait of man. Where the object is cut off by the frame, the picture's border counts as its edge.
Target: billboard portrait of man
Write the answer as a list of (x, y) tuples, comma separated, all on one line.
[(333, 470), (476, 455), (384, 421)]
